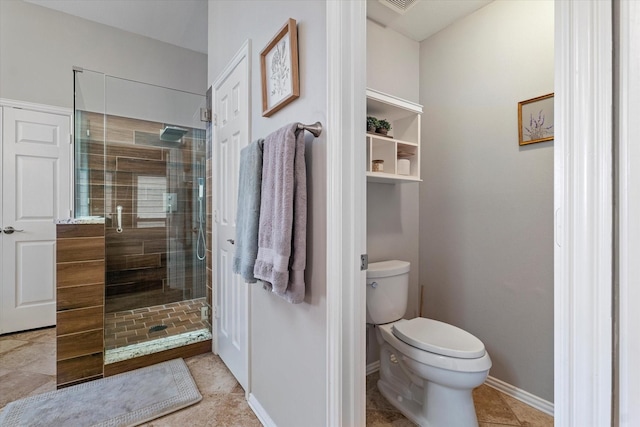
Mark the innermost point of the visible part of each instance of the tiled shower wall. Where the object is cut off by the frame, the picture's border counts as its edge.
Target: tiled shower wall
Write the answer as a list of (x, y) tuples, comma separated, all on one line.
[(152, 261)]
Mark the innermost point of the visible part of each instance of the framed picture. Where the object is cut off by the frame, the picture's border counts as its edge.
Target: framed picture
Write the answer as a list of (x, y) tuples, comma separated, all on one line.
[(279, 69), (535, 120)]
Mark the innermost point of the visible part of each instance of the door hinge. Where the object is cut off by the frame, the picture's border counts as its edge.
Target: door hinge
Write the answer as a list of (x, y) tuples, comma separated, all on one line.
[(216, 312), (70, 138), (364, 262), (205, 115), (215, 119)]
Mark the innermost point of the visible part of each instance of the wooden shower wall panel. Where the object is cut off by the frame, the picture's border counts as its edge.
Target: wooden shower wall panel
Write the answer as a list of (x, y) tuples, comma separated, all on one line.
[(138, 258), (80, 302)]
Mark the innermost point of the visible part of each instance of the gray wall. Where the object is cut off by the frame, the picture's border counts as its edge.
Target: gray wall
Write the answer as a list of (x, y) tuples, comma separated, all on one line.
[(38, 47), (486, 204), (288, 342), (392, 210)]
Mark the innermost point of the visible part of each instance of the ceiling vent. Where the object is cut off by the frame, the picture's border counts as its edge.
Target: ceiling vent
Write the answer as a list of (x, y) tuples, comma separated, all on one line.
[(399, 6)]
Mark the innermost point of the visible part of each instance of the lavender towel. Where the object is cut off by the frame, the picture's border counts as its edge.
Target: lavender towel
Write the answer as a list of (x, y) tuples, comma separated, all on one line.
[(282, 231), (248, 210)]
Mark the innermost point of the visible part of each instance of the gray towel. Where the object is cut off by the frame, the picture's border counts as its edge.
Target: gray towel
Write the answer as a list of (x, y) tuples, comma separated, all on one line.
[(248, 211), (282, 233)]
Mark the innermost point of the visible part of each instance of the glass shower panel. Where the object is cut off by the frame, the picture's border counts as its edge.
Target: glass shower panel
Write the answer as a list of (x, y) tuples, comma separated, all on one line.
[(140, 164), (89, 143)]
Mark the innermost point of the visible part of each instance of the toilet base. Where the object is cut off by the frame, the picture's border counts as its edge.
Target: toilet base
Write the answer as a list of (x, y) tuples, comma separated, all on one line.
[(426, 403), (435, 409)]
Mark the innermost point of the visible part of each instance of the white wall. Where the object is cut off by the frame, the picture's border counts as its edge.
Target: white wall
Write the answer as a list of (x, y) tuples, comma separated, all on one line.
[(288, 342), (486, 204), (38, 47), (392, 210), (392, 62)]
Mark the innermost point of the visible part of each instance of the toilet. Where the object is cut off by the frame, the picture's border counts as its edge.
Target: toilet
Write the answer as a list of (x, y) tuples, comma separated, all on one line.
[(428, 368)]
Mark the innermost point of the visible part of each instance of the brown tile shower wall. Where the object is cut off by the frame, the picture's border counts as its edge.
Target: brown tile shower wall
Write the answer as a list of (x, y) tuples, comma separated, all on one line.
[(80, 302), (137, 259)]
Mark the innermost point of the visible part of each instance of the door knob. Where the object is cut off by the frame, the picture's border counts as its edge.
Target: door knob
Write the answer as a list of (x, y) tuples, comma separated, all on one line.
[(11, 230), (233, 242)]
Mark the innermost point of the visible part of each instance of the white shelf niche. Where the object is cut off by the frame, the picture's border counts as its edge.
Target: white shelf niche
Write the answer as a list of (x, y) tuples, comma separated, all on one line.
[(403, 141)]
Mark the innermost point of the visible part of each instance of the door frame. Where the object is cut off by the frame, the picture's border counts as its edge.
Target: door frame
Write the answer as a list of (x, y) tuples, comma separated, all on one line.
[(346, 212), (583, 243), (583, 193), (243, 52), (627, 105)]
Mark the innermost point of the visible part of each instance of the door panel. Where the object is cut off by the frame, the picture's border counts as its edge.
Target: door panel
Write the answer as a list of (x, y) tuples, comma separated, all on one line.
[(36, 187), (231, 108)]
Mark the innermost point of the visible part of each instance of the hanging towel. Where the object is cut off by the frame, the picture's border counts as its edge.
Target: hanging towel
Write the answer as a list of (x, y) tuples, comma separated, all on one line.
[(248, 210), (282, 232)]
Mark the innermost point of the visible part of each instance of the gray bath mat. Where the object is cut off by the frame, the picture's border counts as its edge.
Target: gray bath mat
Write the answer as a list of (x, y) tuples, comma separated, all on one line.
[(127, 399)]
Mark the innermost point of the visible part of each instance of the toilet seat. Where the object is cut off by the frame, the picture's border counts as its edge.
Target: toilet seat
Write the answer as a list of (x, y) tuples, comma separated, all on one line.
[(438, 338)]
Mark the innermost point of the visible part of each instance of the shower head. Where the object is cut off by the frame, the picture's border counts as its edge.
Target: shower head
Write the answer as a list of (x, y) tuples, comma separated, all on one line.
[(172, 133)]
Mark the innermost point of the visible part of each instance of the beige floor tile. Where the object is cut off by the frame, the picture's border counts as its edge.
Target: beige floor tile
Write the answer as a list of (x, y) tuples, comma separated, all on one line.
[(527, 415), (211, 374), (9, 344), (18, 384), (491, 408), (377, 418), (38, 335), (31, 353)]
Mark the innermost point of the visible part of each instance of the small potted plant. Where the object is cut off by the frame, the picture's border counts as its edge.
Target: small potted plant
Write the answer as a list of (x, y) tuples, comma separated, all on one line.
[(383, 127), (372, 124)]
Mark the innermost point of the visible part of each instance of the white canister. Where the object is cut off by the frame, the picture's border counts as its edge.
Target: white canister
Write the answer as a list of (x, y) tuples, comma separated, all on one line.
[(404, 167)]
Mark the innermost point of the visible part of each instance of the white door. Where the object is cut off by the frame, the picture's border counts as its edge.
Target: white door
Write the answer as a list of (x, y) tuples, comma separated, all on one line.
[(36, 188), (230, 104)]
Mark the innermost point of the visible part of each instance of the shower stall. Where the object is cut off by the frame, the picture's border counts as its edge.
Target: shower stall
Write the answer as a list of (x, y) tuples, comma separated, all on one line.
[(140, 163)]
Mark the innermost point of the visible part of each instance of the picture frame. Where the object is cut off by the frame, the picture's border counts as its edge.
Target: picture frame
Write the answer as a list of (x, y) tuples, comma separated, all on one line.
[(535, 120), (279, 69)]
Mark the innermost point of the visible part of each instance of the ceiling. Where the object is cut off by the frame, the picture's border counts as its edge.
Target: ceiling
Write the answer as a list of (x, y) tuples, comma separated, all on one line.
[(179, 22), (184, 22), (425, 17)]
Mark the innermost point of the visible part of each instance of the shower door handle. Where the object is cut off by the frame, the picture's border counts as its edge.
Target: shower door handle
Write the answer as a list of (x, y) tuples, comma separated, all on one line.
[(119, 212)]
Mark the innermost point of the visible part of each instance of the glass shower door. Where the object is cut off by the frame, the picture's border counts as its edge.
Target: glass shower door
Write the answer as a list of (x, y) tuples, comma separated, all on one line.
[(141, 166)]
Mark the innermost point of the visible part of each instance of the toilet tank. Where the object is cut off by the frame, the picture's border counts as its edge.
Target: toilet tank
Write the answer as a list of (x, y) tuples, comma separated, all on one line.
[(387, 291)]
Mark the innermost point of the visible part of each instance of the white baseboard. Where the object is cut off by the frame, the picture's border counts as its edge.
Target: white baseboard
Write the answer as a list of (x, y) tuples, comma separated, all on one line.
[(521, 395), (373, 367), (260, 412)]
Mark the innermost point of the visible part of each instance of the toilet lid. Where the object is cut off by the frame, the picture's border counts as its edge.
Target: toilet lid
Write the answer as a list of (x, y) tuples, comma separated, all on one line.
[(440, 338)]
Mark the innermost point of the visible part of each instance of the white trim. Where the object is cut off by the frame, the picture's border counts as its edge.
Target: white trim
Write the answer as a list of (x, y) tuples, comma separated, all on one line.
[(346, 214), (583, 213), (260, 412), (394, 100), (521, 395), (629, 196), (36, 107), (373, 367)]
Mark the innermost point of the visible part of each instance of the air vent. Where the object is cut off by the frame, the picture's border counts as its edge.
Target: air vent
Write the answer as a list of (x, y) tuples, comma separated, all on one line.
[(399, 6)]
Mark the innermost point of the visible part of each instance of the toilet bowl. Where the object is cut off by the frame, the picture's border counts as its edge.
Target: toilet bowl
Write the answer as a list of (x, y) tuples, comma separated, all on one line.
[(428, 369)]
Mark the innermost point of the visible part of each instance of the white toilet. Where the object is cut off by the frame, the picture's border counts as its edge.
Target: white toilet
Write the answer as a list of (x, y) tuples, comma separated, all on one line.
[(428, 368)]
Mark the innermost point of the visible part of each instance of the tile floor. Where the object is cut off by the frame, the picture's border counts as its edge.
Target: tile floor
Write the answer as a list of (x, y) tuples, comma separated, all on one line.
[(27, 367), (129, 327)]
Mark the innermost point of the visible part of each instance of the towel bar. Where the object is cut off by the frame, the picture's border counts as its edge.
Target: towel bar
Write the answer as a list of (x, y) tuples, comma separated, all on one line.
[(315, 129)]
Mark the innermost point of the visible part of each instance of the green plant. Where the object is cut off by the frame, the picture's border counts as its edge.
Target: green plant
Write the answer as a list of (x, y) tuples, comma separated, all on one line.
[(372, 122), (383, 124)]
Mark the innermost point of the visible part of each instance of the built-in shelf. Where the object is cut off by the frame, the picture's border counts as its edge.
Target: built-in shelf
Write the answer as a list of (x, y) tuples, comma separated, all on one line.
[(400, 146)]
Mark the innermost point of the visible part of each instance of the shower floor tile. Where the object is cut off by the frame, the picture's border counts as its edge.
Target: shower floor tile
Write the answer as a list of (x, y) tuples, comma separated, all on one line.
[(124, 328)]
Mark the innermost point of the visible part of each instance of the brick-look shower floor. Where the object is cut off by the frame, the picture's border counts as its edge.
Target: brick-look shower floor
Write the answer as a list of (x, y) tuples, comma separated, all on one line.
[(129, 327)]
